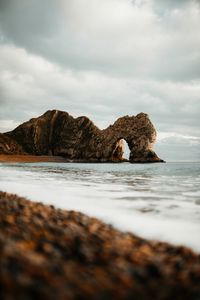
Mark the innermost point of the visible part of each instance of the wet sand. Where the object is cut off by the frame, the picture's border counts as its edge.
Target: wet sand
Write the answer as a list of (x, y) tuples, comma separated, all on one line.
[(49, 253), (30, 158)]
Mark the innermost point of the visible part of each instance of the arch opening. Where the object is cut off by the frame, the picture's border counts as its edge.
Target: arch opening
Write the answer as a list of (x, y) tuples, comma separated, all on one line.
[(121, 151)]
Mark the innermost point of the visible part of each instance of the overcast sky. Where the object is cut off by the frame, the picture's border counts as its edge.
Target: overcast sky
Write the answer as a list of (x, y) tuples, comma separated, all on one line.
[(104, 59)]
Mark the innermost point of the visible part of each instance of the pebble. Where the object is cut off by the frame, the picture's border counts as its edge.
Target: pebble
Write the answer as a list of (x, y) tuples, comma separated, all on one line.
[(48, 253)]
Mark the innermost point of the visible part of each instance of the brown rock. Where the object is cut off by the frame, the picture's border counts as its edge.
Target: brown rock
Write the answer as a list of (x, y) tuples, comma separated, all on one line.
[(68, 255), (9, 145), (78, 139)]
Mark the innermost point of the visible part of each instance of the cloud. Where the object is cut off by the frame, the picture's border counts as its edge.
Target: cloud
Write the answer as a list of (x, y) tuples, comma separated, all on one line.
[(180, 147), (112, 36), (166, 5), (32, 85), (103, 59), (7, 125)]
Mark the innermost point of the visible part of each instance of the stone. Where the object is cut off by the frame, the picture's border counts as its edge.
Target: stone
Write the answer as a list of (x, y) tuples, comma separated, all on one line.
[(69, 255), (9, 145), (78, 139)]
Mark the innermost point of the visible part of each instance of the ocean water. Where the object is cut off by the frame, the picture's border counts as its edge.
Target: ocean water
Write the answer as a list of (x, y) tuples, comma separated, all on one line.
[(155, 201)]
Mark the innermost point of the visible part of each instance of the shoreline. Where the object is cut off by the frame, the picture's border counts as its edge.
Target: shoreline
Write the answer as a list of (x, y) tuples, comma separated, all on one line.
[(5, 158), (68, 255), (26, 158)]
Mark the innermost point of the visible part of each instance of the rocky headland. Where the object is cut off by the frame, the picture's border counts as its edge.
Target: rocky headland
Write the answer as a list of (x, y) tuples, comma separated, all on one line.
[(56, 133), (49, 253)]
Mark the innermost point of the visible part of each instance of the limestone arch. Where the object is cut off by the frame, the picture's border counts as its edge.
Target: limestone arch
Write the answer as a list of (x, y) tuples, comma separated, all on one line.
[(118, 149)]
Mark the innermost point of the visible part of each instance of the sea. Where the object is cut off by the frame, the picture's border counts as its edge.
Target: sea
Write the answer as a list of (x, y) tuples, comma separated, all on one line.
[(155, 201)]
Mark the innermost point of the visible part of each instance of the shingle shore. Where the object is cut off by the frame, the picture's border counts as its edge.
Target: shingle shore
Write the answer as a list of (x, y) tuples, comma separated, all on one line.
[(49, 253)]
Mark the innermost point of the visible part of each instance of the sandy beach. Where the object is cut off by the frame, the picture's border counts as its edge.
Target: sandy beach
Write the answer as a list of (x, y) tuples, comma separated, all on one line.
[(52, 253), (30, 158)]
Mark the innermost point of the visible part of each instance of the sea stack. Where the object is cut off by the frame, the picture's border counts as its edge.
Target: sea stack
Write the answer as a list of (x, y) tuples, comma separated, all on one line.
[(77, 139)]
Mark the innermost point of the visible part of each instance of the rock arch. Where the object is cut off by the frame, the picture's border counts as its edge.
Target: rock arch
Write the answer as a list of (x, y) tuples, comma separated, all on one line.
[(118, 153), (78, 139), (138, 132)]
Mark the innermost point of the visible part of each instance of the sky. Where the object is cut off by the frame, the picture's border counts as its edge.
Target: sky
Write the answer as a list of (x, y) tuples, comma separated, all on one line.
[(105, 59)]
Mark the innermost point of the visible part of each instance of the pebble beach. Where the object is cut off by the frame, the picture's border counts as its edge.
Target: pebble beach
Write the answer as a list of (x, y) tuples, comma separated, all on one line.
[(49, 253)]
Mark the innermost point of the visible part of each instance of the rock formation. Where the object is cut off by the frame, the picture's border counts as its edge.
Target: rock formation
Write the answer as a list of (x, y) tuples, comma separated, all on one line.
[(78, 139), (9, 146)]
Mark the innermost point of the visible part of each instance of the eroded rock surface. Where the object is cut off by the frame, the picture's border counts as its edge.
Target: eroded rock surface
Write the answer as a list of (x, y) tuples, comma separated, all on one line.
[(9, 145), (58, 133)]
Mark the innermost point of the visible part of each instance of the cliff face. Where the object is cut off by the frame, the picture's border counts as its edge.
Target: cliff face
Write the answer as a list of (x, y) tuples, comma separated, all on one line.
[(9, 146), (58, 133)]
